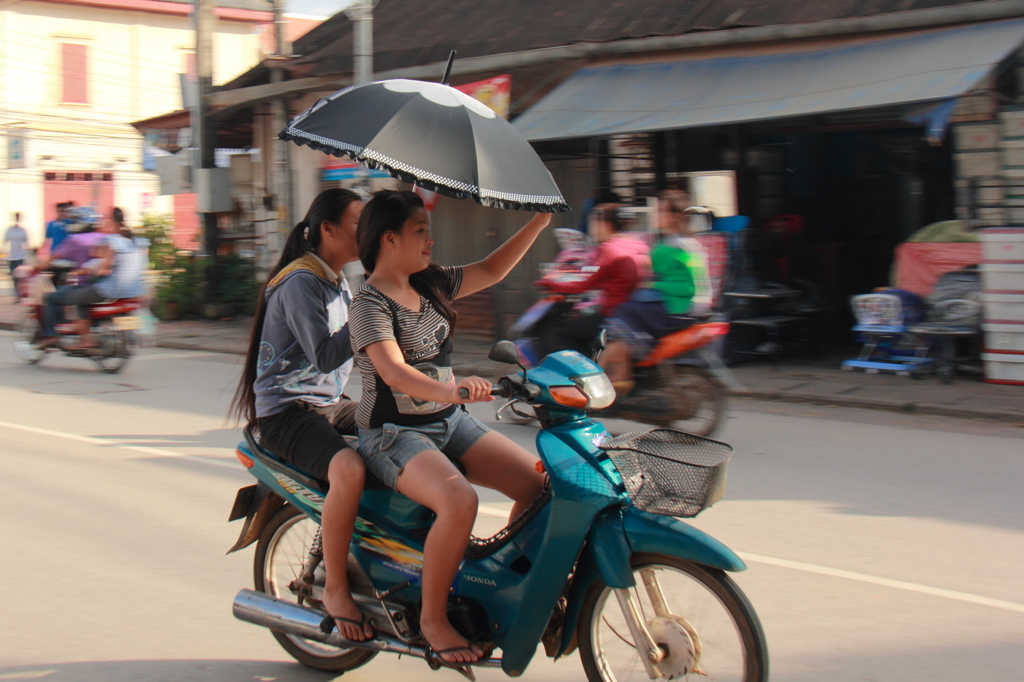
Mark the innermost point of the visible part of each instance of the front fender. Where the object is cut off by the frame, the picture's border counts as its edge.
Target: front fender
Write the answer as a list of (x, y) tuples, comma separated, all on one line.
[(618, 534), (658, 534)]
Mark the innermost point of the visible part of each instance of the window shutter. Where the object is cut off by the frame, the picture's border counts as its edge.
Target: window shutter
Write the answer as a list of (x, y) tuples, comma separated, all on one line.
[(75, 74)]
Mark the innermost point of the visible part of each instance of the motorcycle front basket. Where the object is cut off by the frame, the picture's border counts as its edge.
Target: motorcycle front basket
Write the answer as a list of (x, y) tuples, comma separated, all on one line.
[(670, 472)]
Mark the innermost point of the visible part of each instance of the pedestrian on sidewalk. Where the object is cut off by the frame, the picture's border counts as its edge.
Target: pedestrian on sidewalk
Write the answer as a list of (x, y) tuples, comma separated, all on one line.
[(18, 239), (299, 359)]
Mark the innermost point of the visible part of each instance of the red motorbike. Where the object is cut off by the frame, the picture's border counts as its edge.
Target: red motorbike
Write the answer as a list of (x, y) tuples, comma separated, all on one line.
[(681, 383), (112, 323)]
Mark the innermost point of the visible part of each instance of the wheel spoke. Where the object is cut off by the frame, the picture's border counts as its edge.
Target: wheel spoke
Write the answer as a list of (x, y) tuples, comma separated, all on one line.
[(698, 623)]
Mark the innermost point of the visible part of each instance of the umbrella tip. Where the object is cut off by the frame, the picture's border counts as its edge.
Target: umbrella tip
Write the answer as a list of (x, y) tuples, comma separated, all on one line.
[(448, 69)]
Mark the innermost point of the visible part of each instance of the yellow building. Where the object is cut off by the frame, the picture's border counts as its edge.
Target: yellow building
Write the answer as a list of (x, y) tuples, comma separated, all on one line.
[(75, 73)]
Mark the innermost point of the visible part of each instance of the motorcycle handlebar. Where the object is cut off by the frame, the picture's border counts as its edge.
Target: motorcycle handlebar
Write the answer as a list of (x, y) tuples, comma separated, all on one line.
[(502, 390)]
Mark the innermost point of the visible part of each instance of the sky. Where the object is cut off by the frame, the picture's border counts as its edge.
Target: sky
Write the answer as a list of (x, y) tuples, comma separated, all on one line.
[(322, 8)]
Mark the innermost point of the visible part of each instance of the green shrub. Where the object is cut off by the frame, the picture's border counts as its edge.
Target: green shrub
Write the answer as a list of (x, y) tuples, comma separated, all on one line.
[(183, 285), (157, 228)]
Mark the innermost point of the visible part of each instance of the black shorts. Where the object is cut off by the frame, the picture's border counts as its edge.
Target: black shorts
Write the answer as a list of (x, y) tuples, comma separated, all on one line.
[(307, 436)]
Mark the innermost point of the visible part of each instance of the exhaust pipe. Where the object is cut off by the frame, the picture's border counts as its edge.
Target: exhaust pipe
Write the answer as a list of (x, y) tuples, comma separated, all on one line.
[(291, 618), (288, 617)]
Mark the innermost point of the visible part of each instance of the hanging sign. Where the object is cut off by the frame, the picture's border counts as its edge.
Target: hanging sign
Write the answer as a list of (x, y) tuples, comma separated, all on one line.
[(494, 92)]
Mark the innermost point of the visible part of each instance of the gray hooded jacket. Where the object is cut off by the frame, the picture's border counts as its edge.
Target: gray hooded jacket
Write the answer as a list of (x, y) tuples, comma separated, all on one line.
[(305, 352)]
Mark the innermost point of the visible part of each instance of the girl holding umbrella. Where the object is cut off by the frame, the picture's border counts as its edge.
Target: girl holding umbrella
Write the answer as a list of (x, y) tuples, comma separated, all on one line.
[(413, 426)]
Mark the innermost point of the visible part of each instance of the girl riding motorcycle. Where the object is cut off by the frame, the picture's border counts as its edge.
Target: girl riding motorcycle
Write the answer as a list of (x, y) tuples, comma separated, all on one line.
[(412, 426), (298, 361)]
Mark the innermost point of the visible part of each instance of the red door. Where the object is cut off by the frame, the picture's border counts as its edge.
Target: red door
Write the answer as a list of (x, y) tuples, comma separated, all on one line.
[(186, 221), (83, 188)]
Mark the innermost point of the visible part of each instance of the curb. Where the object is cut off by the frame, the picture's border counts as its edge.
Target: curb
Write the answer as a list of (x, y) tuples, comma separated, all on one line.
[(485, 370), (879, 405)]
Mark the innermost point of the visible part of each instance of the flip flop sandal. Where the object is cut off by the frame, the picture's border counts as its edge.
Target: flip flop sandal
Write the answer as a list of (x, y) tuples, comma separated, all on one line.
[(330, 623), (438, 654)]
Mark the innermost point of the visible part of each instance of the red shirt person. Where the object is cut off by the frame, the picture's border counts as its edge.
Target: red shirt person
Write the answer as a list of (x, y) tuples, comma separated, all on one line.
[(622, 261)]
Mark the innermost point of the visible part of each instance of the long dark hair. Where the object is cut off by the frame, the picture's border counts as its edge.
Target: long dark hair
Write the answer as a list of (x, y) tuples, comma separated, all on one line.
[(118, 216), (329, 205), (387, 212)]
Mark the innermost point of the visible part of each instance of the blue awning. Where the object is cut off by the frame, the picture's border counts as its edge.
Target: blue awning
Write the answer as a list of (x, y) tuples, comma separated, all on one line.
[(628, 98)]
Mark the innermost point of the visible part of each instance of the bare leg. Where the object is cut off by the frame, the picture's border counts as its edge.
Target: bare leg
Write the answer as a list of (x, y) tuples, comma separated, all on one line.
[(346, 474), (618, 365), (497, 463), (431, 480)]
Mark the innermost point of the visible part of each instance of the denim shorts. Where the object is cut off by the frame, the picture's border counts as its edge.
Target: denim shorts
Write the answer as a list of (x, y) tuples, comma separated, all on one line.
[(386, 450)]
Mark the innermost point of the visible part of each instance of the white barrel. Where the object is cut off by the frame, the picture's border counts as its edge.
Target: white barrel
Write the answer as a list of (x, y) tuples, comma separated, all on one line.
[(1004, 337), (1000, 277), (1001, 244), (1004, 367), (1001, 308)]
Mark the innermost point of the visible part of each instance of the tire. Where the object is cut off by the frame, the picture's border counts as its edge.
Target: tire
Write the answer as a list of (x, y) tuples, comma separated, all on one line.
[(26, 330), (725, 634), (689, 385), (115, 346), (281, 555)]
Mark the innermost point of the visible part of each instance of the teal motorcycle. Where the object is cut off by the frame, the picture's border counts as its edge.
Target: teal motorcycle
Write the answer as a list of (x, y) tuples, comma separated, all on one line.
[(599, 563)]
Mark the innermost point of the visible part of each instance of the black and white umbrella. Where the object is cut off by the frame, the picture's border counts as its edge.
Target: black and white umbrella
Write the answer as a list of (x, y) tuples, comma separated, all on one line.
[(434, 136)]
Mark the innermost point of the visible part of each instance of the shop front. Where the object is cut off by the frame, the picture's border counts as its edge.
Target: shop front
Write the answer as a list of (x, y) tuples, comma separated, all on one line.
[(838, 153)]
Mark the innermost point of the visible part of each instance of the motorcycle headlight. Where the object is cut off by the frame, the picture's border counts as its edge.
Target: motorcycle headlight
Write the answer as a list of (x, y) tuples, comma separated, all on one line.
[(598, 389)]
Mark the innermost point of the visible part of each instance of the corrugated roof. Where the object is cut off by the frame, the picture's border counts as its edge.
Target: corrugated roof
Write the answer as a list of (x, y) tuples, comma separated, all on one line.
[(929, 66), (411, 33)]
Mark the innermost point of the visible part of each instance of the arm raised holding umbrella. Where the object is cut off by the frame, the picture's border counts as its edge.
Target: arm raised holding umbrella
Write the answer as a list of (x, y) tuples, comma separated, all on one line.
[(491, 270), (412, 422)]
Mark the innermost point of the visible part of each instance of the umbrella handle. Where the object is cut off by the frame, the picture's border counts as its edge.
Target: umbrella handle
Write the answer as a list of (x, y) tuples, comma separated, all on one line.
[(448, 69)]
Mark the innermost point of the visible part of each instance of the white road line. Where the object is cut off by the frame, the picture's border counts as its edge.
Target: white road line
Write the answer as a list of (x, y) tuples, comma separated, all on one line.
[(499, 513), (158, 452), (184, 356), (886, 582), (494, 511)]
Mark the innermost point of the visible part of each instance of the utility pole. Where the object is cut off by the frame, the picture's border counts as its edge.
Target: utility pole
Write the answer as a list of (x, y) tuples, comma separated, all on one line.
[(361, 15), (205, 135), (280, 171)]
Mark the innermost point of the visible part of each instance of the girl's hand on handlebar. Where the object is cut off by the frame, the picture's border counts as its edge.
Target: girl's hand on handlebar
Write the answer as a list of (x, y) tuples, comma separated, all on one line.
[(472, 390)]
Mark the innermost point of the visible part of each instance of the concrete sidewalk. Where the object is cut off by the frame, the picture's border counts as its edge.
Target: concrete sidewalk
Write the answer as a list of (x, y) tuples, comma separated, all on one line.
[(819, 382)]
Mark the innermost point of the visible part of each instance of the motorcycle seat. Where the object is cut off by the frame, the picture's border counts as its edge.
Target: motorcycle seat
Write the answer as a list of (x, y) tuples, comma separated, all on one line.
[(114, 306), (272, 461)]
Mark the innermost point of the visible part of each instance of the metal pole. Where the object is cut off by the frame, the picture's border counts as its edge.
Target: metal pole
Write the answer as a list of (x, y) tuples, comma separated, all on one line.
[(281, 176), (205, 135), (361, 14)]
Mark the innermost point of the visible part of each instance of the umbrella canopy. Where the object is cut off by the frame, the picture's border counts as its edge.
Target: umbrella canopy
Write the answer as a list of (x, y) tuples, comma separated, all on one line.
[(434, 136)]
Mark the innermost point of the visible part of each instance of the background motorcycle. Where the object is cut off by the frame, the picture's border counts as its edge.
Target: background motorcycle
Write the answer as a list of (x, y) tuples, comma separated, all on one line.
[(588, 565), (112, 324), (681, 382)]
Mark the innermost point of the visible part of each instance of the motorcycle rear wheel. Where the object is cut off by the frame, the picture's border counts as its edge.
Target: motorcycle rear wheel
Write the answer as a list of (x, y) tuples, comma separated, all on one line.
[(723, 628), (26, 331), (281, 555), (688, 385), (115, 346)]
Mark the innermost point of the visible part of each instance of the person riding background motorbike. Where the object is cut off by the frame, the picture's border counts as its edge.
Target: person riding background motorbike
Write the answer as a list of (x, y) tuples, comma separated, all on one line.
[(116, 268), (678, 291), (412, 423), (622, 261), (298, 361)]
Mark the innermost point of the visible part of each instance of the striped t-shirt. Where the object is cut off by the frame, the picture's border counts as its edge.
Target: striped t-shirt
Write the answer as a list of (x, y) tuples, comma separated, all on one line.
[(420, 337)]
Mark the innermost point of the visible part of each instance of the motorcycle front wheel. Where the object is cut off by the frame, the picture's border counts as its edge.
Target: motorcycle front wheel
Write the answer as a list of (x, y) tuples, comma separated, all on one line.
[(281, 556), (708, 631), (26, 331)]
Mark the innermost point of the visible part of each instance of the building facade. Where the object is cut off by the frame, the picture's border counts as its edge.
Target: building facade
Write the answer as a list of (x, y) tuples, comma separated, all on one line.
[(74, 74)]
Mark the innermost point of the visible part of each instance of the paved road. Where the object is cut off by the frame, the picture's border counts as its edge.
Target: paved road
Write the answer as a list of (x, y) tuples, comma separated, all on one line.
[(881, 547)]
